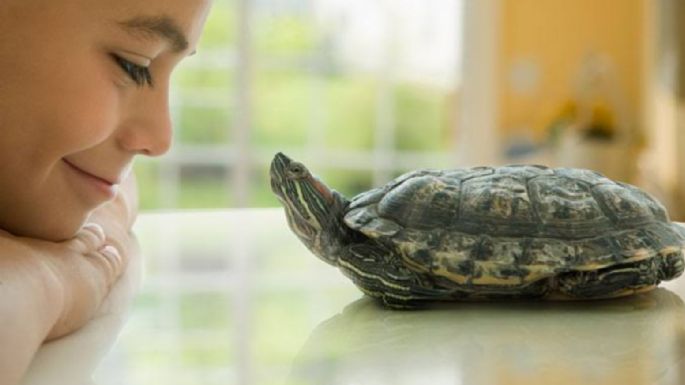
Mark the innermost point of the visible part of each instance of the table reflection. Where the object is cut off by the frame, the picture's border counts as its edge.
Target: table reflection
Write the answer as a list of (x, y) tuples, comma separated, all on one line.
[(635, 340), (233, 297)]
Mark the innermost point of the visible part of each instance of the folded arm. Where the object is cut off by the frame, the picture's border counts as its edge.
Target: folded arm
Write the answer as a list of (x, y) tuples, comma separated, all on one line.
[(48, 289)]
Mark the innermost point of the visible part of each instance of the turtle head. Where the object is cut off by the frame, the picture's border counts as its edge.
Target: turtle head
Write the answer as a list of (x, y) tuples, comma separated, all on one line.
[(314, 211)]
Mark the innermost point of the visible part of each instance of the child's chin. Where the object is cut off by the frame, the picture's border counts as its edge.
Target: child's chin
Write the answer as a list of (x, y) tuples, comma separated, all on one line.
[(56, 231)]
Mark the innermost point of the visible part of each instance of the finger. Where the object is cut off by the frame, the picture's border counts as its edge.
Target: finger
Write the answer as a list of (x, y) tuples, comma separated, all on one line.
[(90, 238), (108, 260), (114, 258)]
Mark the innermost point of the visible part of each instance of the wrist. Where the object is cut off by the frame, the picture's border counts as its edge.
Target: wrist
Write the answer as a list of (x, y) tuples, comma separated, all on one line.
[(32, 273)]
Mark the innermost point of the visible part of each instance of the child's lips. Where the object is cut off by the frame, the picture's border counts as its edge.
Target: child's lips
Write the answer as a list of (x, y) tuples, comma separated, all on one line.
[(103, 188), (108, 181)]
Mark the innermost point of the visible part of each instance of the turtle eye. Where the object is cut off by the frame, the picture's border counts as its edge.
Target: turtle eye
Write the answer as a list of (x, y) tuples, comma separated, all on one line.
[(297, 170)]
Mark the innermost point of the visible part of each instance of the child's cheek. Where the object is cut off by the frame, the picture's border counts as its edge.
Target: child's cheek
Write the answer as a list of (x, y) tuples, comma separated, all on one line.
[(87, 115)]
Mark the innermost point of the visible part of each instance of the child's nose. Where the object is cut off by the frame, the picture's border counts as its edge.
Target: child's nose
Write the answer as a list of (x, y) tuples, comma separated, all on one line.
[(148, 130)]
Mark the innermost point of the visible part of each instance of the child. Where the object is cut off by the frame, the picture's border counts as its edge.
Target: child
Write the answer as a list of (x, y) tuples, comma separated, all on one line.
[(83, 89)]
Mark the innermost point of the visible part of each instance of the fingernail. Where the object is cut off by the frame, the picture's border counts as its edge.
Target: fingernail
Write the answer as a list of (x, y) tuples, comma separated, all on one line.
[(97, 228), (109, 250)]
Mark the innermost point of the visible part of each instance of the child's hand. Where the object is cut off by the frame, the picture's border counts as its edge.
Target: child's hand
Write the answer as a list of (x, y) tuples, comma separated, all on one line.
[(86, 268), (82, 271)]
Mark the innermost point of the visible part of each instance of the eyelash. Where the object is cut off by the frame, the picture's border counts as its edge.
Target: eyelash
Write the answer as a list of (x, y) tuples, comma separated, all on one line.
[(139, 74)]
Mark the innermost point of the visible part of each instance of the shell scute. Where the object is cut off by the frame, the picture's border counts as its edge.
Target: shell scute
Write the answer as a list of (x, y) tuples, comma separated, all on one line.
[(461, 272), (498, 250), (565, 201), (625, 204), (549, 252), (661, 235), (367, 198), (359, 217), (496, 262), (464, 174), (525, 171), (383, 227), (658, 210), (458, 247), (369, 220), (547, 257), (595, 253), (437, 250), (411, 175), (586, 176), (496, 198), (423, 202), (634, 242)]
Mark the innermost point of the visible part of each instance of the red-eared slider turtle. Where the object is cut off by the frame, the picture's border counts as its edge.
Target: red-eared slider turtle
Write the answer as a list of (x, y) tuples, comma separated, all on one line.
[(486, 233)]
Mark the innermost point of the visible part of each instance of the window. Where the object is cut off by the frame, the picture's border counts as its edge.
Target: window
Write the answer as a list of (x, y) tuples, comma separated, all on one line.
[(359, 90)]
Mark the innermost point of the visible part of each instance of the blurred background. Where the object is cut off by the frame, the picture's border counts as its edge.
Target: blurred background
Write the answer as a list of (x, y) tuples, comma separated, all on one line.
[(364, 90), (361, 91)]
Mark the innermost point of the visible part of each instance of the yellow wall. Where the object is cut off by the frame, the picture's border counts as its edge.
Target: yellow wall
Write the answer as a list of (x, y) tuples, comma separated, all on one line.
[(556, 35)]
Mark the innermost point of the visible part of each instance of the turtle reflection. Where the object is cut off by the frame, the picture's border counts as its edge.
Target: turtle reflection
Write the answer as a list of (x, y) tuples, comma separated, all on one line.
[(636, 340)]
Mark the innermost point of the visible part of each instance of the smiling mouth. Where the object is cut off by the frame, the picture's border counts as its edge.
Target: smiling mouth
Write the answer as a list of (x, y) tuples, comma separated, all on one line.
[(87, 174)]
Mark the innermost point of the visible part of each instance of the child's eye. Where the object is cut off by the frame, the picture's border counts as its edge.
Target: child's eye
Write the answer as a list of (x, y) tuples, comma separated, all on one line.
[(139, 74)]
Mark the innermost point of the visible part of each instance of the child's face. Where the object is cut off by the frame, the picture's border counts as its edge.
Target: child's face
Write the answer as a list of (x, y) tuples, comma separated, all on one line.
[(76, 105)]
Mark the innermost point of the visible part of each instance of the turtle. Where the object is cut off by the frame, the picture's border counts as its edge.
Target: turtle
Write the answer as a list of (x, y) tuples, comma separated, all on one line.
[(515, 232)]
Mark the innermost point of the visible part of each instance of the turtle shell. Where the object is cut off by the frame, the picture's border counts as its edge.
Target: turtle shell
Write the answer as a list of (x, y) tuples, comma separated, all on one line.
[(513, 225)]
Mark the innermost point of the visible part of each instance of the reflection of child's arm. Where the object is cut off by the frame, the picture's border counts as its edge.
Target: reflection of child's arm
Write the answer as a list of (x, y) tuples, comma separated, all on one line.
[(50, 289)]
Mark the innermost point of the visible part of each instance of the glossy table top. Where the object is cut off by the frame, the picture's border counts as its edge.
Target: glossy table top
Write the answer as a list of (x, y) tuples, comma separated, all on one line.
[(232, 297)]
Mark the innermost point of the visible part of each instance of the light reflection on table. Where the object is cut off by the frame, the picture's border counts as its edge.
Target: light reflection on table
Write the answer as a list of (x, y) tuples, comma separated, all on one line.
[(232, 297)]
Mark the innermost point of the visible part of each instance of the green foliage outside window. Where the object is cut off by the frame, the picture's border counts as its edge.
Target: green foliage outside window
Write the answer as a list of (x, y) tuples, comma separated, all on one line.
[(291, 97)]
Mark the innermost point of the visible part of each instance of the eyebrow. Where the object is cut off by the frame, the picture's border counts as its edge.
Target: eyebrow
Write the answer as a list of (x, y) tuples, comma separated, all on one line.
[(157, 27)]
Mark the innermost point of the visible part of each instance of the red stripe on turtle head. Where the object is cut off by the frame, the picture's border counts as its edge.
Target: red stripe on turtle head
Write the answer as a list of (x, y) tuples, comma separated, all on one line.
[(325, 192)]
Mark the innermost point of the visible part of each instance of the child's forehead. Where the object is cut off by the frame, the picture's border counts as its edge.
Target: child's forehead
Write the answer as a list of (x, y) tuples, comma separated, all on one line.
[(177, 21)]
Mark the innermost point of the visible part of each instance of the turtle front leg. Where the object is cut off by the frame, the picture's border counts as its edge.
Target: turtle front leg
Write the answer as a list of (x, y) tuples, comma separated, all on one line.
[(381, 275)]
